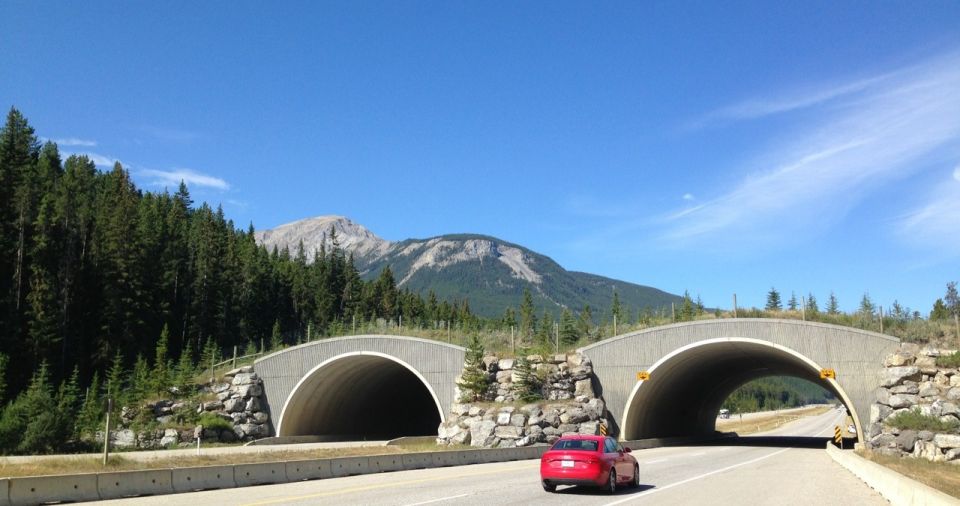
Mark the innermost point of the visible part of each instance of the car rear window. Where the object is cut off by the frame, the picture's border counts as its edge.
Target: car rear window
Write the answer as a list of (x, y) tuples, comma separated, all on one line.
[(587, 445)]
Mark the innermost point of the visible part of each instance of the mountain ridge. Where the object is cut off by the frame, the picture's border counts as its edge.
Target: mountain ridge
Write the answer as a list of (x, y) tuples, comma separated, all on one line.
[(490, 273)]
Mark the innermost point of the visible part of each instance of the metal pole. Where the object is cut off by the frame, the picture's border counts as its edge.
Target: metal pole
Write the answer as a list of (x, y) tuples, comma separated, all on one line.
[(614, 324), (233, 362), (513, 344), (556, 334), (673, 312), (734, 305), (106, 433), (309, 331), (401, 322), (881, 319), (803, 307)]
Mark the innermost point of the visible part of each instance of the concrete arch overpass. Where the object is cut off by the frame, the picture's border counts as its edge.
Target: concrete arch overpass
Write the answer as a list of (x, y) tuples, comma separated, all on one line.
[(354, 387), (693, 367)]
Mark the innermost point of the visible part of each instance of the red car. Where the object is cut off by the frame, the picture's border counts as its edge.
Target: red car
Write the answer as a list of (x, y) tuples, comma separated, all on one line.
[(597, 461)]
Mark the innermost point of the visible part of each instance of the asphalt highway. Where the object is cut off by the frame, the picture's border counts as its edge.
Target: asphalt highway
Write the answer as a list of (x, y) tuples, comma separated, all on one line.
[(782, 467)]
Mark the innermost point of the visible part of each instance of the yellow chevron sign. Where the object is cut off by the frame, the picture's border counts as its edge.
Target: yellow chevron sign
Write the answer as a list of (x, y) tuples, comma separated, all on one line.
[(643, 376), (828, 373)]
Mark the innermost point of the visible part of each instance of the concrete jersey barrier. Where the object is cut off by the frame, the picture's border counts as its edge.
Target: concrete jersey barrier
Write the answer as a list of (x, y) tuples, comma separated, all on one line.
[(192, 479), (41, 489), (111, 485), (893, 486)]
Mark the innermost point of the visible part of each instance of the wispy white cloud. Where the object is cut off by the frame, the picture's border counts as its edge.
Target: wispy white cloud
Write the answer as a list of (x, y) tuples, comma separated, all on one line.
[(688, 197), (171, 134), (188, 176), (799, 99), (882, 129), (73, 141), (934, 224)]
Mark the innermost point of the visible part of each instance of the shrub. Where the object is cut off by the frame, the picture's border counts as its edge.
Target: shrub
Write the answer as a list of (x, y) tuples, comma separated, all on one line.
[(949, 360), (212, 421), (914, 420)]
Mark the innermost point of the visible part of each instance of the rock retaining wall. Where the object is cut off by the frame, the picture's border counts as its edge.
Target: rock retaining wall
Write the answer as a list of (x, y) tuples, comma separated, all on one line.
[(569, 406), (238, 402), (911, 380)]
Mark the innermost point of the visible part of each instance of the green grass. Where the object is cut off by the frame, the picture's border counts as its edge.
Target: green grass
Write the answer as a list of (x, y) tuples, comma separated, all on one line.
[(212, 421), (914, 420), (949, 360)]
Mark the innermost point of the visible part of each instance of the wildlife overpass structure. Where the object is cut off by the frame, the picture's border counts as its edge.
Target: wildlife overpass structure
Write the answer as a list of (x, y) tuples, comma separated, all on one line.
[(691, 368), (658, 382)]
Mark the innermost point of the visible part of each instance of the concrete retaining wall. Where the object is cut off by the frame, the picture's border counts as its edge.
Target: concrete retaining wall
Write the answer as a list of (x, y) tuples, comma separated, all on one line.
[(4, 492), (893, 486)]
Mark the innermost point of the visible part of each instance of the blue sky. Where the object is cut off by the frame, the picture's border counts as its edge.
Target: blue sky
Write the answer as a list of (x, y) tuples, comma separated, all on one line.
[(716, 147)]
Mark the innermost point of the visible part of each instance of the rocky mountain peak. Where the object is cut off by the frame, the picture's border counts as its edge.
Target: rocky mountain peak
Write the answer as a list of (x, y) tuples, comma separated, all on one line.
[(351, 236)]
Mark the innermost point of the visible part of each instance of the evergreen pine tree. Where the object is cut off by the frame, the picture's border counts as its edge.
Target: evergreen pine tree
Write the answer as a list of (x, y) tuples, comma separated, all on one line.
[(773, 300), (526, 384), (568, 328), (792, 304), (585, 321), (161, 362), (616, 309), (88, 420), (940, 311), (867, 307), (186, 371), (833, 307), (528, 320), (140, 383), (276, 338), (474, 381), (812, 306), (114, 383)]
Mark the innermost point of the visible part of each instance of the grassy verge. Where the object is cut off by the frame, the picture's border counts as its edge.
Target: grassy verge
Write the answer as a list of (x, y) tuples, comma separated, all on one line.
[(769, 422), (119, 463), (942, 476)]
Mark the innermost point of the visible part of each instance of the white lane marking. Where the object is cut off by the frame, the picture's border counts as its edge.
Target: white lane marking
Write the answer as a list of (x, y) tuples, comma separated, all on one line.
[(688, 480), (438, 500)]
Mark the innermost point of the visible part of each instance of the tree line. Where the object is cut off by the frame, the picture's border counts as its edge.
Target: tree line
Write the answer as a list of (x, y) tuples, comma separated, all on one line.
[(94, 269)]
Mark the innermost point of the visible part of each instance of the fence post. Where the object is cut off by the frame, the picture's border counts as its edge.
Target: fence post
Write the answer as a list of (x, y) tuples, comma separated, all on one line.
[(233, 362)]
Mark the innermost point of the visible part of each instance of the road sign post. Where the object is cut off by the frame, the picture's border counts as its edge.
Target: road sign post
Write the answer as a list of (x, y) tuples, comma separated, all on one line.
[(838, 436)]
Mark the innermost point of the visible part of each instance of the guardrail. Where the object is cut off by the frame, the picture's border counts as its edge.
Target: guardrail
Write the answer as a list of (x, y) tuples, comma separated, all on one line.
[(114, 485)]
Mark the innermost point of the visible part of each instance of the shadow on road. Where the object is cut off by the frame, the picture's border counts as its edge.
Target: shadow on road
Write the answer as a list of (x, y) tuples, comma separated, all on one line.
[(770, 442), (591, 491)]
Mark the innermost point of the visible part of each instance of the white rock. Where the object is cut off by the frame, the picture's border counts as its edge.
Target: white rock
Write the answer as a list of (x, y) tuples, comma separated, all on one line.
[(891, 376), (947, 440), (505, 364), (584, 387), (244, 378)]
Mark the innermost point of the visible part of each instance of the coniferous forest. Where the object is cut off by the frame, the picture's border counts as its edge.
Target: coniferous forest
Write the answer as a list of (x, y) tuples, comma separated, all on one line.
[(94, 270)]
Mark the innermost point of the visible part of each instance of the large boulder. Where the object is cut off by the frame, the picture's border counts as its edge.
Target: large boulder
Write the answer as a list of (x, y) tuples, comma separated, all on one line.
[(903, 401), (906, 440), (508, 432), (574, 415), (892, 376), (481, 433), (947, 440), (901, 358), (584, 387), (234, 405), (245, 378)]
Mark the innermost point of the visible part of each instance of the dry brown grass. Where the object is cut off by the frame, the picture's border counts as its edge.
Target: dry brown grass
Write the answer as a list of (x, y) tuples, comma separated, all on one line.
[(942, 476), (119, 463), (765, 423)]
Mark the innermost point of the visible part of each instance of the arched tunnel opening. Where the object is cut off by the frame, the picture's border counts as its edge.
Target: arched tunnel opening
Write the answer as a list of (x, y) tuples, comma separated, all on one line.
[(361, 397), (686, 390)]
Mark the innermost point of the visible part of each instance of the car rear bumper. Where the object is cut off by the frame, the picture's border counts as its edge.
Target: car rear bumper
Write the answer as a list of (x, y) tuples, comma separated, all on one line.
[(577, 478)]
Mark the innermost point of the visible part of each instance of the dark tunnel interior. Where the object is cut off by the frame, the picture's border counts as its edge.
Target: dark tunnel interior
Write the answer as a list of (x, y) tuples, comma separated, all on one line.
[(361, 397), (684, 393)]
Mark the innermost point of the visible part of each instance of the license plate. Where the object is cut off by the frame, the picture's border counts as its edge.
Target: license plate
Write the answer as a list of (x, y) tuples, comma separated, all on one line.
[(566, 463)]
